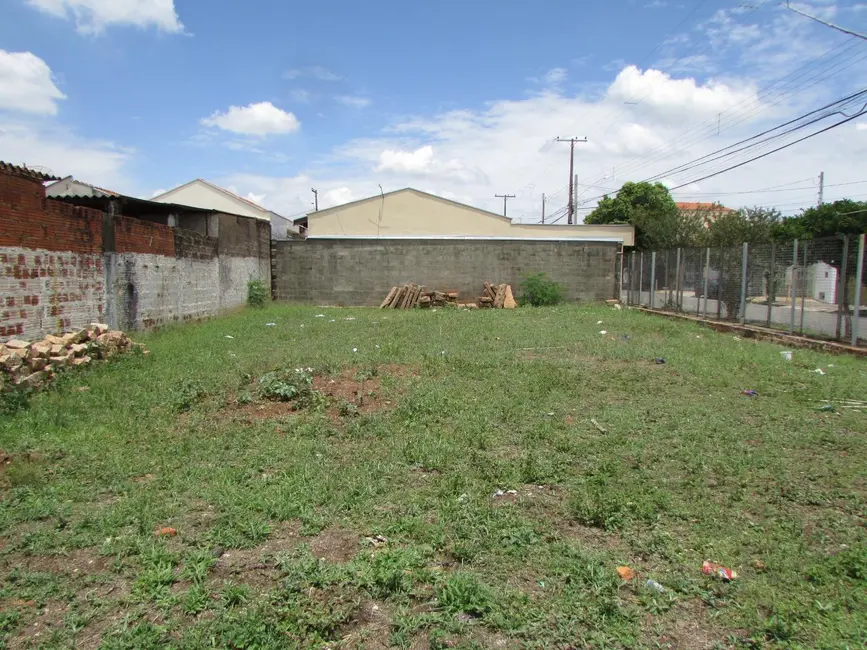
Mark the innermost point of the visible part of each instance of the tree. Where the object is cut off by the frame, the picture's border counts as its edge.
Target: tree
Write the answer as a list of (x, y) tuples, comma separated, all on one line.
[(731, 230), (646, 206)]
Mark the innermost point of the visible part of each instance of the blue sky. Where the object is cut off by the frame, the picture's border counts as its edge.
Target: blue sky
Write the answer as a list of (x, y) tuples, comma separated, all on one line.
[(461, 99)]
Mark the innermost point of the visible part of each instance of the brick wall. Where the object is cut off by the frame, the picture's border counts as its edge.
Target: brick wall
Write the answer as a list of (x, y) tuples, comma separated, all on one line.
[(63, 267), (361, 271)]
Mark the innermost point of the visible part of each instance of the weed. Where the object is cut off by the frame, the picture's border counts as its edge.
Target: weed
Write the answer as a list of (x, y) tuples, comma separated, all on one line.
[(541, 291), (347, 409), (14, 399), (286, 385), (257, 293), (462, 592), (187, 394)]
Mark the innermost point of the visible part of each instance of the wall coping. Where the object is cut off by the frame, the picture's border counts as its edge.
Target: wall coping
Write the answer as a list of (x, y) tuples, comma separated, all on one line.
[(605, 240)]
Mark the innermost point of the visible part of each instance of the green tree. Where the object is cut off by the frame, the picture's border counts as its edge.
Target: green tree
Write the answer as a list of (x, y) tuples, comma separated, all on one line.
[(844, 217), (730, 230), (649, 208)]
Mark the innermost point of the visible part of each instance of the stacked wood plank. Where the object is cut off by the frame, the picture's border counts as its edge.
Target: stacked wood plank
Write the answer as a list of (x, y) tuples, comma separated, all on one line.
[(413, 295), (409, 296)]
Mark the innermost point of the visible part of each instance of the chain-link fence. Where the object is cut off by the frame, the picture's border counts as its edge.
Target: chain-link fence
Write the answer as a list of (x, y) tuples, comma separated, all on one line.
[(811, 287)]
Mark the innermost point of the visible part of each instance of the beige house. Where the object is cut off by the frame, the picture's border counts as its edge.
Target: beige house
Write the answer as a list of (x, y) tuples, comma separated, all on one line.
[(202, 194), (410, 213)]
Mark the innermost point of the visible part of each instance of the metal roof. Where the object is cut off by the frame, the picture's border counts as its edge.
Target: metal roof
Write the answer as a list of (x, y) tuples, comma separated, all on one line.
[(25, 172)]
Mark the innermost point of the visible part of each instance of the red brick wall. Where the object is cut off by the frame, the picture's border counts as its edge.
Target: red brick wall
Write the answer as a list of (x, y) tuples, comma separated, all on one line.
[(29, 220), (136, 236)]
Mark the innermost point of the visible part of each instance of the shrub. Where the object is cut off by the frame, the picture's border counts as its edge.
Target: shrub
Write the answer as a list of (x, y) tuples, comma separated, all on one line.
[(257, 293), (541, 291)]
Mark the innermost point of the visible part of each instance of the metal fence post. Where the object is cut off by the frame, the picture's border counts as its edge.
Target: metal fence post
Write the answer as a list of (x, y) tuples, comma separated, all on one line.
[(677, 301), (772, 277), (794, 290), (842, 288), (640, 277), (706, 278), (744, 256), (652, 277), (804, 284), (859, 278)]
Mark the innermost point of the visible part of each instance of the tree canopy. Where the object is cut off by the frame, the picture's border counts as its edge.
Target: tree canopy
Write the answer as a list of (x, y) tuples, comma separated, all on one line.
[(844, 217), (646, 206)]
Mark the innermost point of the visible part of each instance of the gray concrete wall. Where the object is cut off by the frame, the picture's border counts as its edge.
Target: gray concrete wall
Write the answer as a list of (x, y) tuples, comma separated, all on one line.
[(360, 272)]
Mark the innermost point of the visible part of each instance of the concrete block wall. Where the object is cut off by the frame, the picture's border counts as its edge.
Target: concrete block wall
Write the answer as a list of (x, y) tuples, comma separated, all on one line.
[(63, 267), (357, 272)]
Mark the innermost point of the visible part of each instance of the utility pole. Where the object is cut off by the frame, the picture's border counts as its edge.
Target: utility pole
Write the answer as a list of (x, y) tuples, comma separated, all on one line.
[(315, 199), (505, 198), (575, 200), (543, 207), (571, 142), (821, 188)]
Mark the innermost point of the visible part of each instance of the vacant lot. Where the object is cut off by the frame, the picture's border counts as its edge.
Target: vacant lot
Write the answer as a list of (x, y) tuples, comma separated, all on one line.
[(440, 483)]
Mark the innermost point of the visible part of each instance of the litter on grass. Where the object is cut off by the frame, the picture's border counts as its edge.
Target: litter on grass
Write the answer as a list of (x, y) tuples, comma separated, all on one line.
[(653, 585), (819, 371), (355, 349), (660, 361), (599, 322), (319, 316), (229, 336), (626, 573), (724, 573), (749, 392), (350, 318), (786, 354), (603, 332), (596, 424), (270, 324)]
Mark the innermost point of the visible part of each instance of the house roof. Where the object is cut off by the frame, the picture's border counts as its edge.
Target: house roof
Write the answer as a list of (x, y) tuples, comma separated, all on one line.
[(222, 190), (96, 188), (710, 207), (400, 191), (26, 172)]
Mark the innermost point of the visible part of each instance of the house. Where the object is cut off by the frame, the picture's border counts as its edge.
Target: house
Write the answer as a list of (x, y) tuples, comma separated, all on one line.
[(413, 214), (70, 187), (709, 211), (202, 194)]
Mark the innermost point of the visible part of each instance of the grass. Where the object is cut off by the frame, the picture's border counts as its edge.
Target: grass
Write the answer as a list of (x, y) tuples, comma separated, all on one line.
[(366, 518)]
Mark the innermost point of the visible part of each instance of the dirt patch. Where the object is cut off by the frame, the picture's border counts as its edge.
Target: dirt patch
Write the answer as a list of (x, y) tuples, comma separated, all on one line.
[(334, 544), (258, 566), (688, 627), (39, 627), (79, 562), (352, 392), (370, 628)]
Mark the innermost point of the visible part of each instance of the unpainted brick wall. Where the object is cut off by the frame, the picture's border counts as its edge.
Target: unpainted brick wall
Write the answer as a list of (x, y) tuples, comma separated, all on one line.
[(57, 273), (51, 273), (361, 271)]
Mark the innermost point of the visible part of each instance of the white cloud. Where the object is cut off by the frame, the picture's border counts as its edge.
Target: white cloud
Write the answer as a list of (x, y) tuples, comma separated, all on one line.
[(675, 96), (93, 16), (255, 198), (53, 148), (406, 161), (656, 4), (26, 84), (158, 192), (556, 76), (861, 126), (337, 196), (353, 100), (314, 72), (260, 119)]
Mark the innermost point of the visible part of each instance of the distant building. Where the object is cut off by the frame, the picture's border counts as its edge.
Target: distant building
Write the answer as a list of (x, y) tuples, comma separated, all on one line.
[(202, 194), (70, 187), (709, 211), (413, 214)]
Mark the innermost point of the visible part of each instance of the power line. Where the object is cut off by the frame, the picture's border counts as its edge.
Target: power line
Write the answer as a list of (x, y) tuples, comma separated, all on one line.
[(505, 198), (571, 142), (785, 146), (827, 24)]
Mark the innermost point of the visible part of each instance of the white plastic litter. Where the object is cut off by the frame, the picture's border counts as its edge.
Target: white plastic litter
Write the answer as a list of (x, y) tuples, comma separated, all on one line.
[(319, 316), (350, 318), (270, 324), (229, 336), (599, 322), (355, 349), (819, 371), (604, 332), (786, 354)]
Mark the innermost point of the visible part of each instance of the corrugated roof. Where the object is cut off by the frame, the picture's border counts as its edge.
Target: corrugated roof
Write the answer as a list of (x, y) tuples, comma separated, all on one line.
[(25, 172)]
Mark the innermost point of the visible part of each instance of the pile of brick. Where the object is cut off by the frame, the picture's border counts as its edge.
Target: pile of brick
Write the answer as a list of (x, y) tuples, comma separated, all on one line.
[(32, 364), (408, 296)]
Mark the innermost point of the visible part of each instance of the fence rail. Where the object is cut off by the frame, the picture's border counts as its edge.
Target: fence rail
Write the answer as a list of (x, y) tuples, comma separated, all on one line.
[(811, 287)]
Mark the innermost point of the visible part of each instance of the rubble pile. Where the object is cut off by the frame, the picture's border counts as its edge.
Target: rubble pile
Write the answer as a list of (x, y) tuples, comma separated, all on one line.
[(29, 364)]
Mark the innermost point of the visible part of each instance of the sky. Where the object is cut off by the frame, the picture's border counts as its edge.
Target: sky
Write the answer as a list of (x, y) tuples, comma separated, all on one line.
[(460, 99)]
